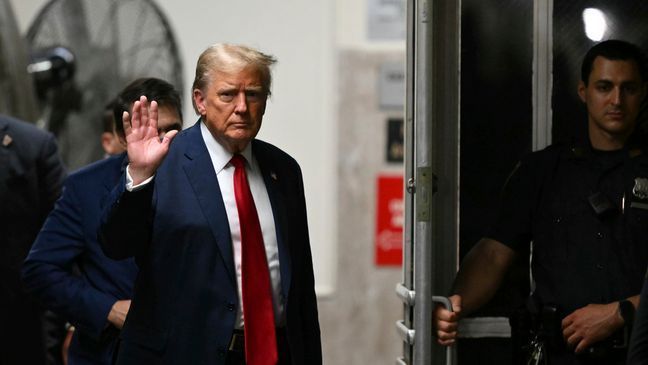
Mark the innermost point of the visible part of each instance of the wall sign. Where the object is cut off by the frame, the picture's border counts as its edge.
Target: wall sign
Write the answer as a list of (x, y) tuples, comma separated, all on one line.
[(389, 220)]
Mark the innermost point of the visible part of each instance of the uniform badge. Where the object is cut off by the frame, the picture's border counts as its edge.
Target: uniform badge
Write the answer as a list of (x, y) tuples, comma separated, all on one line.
[(640, 189)]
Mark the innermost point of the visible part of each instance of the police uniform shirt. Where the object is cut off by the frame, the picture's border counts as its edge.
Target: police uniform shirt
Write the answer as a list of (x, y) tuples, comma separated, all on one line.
[(580, 255)]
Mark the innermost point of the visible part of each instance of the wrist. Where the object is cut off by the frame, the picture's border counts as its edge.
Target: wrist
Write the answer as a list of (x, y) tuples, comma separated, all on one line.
[(138, 174), (626, 311)]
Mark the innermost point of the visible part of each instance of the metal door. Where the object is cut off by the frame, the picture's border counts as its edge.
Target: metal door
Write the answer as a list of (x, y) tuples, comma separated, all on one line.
[(487, 81)]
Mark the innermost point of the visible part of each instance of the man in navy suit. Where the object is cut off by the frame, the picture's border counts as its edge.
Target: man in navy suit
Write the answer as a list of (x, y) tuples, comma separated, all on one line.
[(177, 212), (97, 299), (31, 175)]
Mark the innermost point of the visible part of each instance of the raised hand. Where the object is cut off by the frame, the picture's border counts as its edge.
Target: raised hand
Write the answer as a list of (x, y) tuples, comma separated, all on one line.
[(146, 150)]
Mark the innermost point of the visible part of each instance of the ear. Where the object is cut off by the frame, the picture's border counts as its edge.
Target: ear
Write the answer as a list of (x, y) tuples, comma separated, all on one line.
[(199, 100), (106, 139), (582, 91)]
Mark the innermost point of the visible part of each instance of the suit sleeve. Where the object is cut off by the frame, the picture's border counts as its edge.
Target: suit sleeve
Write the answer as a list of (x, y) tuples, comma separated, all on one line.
[(51, 174), (126, 222), (48, 271), (310, 317)]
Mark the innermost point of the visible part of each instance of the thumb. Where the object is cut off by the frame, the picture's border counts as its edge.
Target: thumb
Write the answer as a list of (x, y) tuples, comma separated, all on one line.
[(168, 137), (456, 303)]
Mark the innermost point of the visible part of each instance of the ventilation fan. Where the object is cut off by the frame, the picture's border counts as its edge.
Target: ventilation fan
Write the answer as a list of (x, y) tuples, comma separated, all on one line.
[(16, 91), (86, 51)]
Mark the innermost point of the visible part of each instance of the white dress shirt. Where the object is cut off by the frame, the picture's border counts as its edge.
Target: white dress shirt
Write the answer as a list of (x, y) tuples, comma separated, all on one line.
[(220, 158)]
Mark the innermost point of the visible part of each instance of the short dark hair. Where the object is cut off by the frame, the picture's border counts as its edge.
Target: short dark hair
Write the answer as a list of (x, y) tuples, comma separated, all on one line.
[(108, 117), (154, 89), (614, 49)]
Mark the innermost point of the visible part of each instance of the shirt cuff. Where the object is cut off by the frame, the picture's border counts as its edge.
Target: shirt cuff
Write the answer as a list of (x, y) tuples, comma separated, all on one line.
[(129, 181)]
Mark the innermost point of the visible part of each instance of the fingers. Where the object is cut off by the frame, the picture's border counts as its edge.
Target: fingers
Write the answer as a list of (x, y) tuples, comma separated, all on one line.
[(149, 115), (136, 115), (446, 332), (126, 122), (446, 324), (582, 346), (153, 114), (143, 117), (144, 111), (569, 331), (576, 341), (572, 338), (443, 314), (446, 342), (574, 334)]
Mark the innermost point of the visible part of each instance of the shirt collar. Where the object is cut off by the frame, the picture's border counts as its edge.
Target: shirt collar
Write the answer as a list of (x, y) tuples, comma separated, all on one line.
[(219, 155)]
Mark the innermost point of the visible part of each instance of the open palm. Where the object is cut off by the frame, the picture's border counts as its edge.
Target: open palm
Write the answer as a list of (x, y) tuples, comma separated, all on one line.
[(146, 150)]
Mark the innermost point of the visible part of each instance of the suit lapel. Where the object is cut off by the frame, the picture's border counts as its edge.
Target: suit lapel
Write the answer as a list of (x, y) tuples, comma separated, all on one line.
[(273, 182), (202, 177), (113, 174)]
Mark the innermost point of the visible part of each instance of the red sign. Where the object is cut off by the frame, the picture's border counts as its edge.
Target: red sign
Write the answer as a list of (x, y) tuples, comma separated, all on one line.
[(389, 221)]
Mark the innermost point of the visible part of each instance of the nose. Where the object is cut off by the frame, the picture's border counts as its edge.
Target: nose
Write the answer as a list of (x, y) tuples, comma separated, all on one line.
[(617, 96), (240, 106)]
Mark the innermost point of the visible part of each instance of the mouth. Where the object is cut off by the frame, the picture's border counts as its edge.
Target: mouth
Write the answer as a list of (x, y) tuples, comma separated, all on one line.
[(239, 124), (615, 114)]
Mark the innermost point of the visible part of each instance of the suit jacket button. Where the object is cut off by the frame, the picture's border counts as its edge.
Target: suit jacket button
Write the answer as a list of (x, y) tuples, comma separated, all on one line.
[(231, 307), (221, 351)]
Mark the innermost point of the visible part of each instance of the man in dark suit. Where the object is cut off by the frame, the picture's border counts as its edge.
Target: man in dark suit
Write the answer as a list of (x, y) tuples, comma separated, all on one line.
[(185, 212), (97, 299), (31, 174)]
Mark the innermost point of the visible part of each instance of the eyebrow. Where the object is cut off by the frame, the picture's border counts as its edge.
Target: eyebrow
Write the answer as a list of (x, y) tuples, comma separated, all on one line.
[(626, 82), (232, 88)]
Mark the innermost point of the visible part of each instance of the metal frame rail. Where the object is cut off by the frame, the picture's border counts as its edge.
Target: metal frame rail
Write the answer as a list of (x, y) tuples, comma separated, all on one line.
[(432, 147)]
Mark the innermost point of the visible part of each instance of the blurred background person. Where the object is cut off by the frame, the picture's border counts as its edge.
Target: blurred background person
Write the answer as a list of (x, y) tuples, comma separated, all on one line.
[(66, 268), (111, 142), (31, 175)]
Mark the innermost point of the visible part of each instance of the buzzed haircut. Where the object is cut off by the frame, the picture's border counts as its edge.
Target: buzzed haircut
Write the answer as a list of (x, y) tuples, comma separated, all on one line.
[(616, 50), (108, 117)]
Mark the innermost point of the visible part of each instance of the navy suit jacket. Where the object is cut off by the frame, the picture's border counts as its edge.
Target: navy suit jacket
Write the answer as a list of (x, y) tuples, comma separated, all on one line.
[(31, 175), (185, 301), (69, 272)]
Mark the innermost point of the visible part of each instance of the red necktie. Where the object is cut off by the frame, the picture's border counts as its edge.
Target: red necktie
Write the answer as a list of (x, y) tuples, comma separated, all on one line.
[(258, 314)]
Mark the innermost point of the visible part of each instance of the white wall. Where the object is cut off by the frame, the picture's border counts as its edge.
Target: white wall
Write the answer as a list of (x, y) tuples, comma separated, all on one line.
[(351, 30), (301, 112)]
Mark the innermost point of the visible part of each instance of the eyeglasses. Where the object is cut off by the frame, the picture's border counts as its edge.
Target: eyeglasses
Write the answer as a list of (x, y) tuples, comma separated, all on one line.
[(251, 96)]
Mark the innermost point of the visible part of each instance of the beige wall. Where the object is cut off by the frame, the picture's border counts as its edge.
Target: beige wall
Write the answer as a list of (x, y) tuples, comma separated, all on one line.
[(358, 319)]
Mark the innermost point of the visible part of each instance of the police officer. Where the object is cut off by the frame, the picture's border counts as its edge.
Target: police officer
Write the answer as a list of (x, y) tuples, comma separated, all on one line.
[(585, 208)]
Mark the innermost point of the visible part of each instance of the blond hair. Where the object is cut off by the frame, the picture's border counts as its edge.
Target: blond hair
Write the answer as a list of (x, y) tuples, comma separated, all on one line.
[(231, 58)]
